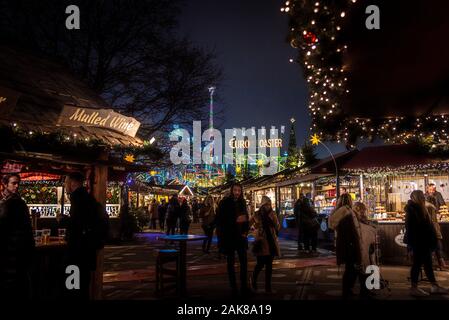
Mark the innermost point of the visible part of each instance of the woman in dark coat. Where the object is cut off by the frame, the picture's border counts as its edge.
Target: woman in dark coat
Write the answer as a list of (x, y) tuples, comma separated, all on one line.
[(266, 245), (16, 242), (232, 223), (421, 239), (173, 212), (185, 217)]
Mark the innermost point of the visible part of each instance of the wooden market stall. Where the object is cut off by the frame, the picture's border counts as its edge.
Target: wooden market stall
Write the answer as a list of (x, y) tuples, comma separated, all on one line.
[(388, 175), (52, 124)]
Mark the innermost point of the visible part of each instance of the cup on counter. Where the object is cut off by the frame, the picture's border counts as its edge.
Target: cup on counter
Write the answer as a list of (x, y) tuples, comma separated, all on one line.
[(46, 235), (38, 237), (61, 234)]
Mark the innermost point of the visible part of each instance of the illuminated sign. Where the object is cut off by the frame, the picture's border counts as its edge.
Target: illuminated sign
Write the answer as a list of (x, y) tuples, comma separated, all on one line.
[(262, 143), (101, 118)]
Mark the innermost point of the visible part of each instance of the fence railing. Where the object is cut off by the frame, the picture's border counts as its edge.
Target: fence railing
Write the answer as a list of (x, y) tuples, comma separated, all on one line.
[(52, 210)]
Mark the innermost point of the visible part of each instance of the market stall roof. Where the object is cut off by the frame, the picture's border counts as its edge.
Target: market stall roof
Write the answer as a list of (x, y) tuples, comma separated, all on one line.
[(302, 178), (394, 156), (37, 91), (326, 165)]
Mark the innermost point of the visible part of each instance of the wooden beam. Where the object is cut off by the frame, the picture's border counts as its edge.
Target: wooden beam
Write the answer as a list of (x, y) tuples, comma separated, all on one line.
[(99, 188)]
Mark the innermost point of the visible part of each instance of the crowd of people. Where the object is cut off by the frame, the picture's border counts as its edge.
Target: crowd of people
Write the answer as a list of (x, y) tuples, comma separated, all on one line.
[(356, 237), (230, 218)]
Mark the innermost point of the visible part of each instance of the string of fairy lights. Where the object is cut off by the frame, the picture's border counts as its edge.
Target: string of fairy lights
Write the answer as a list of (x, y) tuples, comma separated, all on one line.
[(316, 31)]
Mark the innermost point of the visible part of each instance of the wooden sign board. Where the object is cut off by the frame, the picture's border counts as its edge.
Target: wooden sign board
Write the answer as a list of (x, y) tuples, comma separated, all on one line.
[(100, 118)]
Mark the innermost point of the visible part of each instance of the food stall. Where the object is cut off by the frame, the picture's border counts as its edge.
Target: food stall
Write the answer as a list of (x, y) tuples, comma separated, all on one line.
[(53, 125), (389, 174)]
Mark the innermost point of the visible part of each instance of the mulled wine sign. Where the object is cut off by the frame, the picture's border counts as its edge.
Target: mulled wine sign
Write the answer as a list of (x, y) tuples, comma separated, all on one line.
[(100, 118)]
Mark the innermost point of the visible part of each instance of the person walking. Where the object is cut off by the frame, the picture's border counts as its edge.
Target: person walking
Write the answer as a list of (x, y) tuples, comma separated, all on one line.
[(154, 214), (86, 232), (232, 223), (421, 239), (16, 242), (266, 245), (162, 212), (309, 225), (185, 217), (195, 210), (173, 212), (207, 215), (431, 204), (348, 247)]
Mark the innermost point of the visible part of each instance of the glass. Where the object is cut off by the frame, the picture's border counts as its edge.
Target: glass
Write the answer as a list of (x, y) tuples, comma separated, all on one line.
[(61, 234), (46, 235), (38, 237)]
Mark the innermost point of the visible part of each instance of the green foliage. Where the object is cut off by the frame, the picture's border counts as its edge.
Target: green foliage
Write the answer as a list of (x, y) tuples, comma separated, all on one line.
[(308, 155)]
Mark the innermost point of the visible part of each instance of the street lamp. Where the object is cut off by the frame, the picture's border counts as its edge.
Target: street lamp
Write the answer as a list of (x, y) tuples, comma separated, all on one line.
[(315, 139), (152, 140)]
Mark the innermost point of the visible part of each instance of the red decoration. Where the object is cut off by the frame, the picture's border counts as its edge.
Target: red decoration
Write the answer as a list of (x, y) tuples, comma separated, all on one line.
[(310, 38)]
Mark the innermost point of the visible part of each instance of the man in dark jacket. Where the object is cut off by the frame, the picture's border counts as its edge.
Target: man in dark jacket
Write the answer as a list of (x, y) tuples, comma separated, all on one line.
[(432, 192), (85, 233), (16, 242), (232, 223)]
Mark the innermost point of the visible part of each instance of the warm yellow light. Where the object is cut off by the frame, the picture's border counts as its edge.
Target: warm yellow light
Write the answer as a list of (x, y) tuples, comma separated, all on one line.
[(129, 158), (315, 139)]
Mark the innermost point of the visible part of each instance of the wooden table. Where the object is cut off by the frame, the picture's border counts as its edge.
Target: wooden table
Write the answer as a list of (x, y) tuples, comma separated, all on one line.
[(48, 276), (182, 240)]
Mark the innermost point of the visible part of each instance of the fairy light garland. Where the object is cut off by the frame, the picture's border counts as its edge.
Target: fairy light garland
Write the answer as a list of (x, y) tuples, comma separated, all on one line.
[(315, 30)]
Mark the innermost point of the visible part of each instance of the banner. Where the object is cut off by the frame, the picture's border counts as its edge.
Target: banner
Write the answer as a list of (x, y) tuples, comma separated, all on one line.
[(100, 118)]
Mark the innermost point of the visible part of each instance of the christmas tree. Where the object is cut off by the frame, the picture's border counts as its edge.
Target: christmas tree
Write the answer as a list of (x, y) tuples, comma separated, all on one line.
[(308, 155), (293, 154)]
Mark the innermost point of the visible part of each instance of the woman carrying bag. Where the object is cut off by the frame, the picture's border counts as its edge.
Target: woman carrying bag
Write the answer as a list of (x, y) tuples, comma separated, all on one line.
[(266, 246)]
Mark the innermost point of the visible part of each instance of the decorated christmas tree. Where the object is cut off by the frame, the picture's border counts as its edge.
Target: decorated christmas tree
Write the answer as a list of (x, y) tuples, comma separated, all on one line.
[(293, 154)]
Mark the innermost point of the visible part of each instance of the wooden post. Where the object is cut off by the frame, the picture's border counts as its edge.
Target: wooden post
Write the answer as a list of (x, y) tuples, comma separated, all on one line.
[(99, 188)]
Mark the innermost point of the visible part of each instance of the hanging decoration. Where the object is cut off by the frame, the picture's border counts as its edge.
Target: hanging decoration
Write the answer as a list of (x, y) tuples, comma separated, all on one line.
[(316, 30)]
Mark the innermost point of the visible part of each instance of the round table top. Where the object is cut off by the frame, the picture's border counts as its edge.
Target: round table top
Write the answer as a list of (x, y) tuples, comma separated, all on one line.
[(183, 237)]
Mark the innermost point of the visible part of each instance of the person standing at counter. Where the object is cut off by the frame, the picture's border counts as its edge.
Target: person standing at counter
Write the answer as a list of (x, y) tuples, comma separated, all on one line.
[(232, 223), (16, 242), (86, 233), (421, 239), (432, 192)]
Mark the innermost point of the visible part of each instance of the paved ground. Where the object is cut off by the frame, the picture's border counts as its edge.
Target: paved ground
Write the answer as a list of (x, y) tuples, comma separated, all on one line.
[(129, 273)]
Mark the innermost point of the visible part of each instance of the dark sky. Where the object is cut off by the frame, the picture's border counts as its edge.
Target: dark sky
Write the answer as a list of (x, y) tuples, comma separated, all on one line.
[(261, 86)]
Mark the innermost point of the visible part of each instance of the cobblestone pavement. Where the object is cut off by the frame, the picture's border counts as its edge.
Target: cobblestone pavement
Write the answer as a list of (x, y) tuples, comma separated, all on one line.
[(129, 273)]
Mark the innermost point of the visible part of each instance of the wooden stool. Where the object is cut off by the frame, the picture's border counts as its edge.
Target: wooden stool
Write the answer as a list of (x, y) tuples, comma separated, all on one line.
[(164, 257)]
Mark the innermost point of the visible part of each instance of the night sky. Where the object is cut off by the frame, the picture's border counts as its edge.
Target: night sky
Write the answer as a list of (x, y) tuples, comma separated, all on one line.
[(261, 87)]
